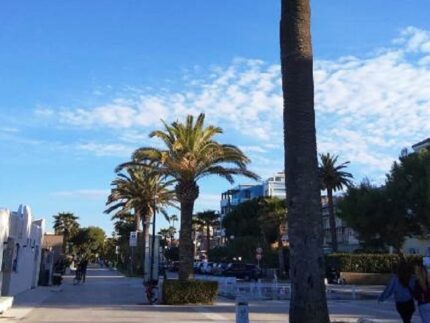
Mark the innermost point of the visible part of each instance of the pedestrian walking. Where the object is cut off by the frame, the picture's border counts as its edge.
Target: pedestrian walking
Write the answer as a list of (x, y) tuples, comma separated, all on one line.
[(83, 267), (401, 286), (422, 289)]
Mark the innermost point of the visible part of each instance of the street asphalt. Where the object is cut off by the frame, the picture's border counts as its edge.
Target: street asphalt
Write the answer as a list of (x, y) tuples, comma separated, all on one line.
[(107, 296)]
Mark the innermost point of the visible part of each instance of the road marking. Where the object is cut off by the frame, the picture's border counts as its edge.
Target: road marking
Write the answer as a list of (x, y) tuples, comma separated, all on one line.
[(206, 311)]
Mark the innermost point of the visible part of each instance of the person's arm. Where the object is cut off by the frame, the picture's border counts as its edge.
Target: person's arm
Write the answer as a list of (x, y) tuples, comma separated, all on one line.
[(389, 289), (416, 291)]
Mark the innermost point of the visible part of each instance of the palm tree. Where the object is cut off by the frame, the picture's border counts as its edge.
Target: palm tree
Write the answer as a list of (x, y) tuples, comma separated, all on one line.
[(141, 191), (173, 218), (191, 153), (308, 300), (196, 232), (66, 223), (172, 232), (207, 220), (274, 213), (333, 178), (165, 236)]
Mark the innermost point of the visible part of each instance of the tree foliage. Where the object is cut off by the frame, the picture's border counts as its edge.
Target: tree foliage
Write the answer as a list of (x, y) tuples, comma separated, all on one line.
[(189, 153), (206, 221), (89, 242), (243, 219), (134, 190), (272, 218), (66, 223), (333, 178), (385, 215)]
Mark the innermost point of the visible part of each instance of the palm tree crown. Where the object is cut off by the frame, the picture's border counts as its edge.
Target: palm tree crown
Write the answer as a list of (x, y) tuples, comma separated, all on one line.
[(66, 223), (332, 175), (135, 191), (189, 154), (333, 178), (207, 220)]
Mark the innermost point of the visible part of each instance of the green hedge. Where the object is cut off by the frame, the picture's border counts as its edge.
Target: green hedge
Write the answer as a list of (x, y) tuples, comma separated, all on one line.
[(189, 292), (369, 263)]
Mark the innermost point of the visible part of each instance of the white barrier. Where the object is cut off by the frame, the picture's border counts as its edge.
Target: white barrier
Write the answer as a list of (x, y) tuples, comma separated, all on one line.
[(231, 288)]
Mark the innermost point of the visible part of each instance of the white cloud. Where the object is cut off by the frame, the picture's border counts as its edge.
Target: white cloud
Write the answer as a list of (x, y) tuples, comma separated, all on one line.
[(117, 150), (9, 130), (44, 112), (368, 107), (83, 193), (253, 149)]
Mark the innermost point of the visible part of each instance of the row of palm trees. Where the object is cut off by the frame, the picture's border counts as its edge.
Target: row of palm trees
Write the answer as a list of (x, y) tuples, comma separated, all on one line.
[(159, 177)]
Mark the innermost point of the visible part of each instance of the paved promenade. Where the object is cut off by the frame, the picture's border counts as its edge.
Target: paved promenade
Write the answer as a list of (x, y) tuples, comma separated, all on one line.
[(110, 297)]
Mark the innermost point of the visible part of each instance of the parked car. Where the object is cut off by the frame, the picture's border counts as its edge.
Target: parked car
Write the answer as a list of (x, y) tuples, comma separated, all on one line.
[(243, 271), (219, 268), (207, 268)]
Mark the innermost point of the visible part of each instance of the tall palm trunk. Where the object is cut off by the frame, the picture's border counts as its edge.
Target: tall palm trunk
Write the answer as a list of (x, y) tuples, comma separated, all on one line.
[(281, 259), (208, 239), (187, 193), (308, 300), (145, 230), (137, 219), (332, 219), (65, 241)]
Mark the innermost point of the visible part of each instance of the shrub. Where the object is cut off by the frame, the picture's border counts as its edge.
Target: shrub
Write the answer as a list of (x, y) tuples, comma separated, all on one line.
[(369, 263), (189, 292)]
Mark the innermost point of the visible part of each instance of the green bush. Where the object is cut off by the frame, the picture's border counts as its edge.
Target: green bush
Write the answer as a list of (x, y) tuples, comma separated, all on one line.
[(189, 292), (369, 263)]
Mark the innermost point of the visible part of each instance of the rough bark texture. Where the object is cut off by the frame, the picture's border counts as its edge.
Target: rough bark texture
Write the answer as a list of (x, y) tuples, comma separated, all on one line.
[(137, 219), (332, 219), (145, 230), (187, 193), (281, 259), (308, 300)]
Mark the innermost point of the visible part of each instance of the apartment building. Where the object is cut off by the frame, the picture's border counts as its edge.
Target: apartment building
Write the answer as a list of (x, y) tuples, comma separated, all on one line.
[(274, 186)]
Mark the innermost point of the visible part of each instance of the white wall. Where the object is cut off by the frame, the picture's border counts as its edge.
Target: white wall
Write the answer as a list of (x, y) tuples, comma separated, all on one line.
[(4, 233), (28, 235)]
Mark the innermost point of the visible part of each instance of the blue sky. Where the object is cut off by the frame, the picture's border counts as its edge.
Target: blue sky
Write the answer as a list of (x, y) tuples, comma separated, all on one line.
[(82, 83)]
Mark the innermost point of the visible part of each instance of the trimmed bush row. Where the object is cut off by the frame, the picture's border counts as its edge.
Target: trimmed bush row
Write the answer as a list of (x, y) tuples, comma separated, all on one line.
[(369, 263), (189, 292)]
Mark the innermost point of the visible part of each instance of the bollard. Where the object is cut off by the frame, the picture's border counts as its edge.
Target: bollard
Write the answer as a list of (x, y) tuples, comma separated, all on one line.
[(353, 292), (242, 311)]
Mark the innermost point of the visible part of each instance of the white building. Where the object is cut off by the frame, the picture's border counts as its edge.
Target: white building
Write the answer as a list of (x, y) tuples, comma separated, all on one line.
[(20, 246), (346, 237), (421, 145), (275, 186)]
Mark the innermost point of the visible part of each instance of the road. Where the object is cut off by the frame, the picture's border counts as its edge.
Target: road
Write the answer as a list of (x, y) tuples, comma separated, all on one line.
[(110, 297)]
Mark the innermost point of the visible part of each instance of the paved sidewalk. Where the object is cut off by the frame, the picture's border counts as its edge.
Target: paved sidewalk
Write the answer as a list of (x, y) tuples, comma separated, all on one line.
[(110, 297)]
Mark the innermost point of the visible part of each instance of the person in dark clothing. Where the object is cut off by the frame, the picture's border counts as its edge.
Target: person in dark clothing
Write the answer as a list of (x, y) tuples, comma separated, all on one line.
[(401, 286), (83, 268)]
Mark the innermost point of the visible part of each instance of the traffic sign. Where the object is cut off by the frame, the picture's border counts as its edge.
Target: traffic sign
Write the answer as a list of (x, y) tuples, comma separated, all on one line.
[(259, 250), (133, 239), (258, 256)]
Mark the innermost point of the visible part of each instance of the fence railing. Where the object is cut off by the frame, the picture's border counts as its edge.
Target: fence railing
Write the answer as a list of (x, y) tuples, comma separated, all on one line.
[(229, 287)]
